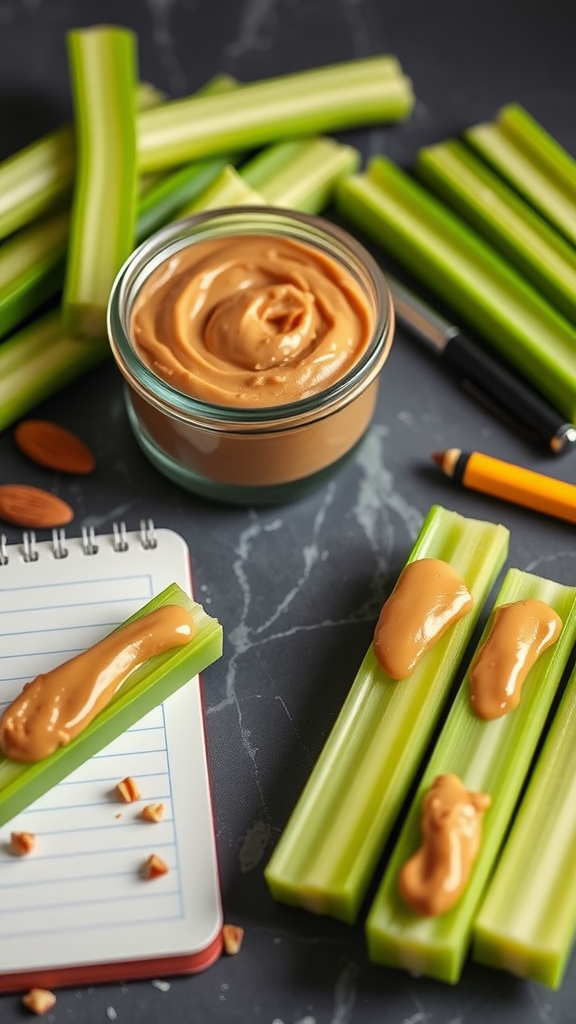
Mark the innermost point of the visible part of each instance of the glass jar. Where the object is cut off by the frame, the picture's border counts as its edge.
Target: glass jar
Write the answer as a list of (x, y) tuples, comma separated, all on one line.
[(250, 455)]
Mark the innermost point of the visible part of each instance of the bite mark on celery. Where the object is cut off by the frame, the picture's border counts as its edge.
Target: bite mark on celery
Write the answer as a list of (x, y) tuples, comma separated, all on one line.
[(519, 633), (432, 881), (429, 597)]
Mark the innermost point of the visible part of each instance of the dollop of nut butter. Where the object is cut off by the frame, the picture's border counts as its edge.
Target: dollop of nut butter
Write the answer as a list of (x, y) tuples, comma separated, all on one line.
[(428, 598), (432, 881), (519, 633), (250, 320), (56, 706)]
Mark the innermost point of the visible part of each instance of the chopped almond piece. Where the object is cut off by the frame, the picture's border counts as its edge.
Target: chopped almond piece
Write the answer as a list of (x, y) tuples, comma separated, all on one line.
[(22, 842), (39, 1000), (128, 790), (152, 812), (155, 866), (232, 936)]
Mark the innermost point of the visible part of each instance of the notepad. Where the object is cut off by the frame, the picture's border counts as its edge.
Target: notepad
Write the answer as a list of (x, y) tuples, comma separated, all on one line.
[(78, 910)]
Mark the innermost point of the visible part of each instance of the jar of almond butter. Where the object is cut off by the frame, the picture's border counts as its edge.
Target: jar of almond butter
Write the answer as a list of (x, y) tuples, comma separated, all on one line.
[(251, 340)]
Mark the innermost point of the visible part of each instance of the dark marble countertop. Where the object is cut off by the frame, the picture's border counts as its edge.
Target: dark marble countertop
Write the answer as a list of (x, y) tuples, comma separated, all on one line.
[(298, 586)]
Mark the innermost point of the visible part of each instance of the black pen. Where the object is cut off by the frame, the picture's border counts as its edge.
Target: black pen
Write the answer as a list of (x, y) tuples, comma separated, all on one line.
[(510, 395)]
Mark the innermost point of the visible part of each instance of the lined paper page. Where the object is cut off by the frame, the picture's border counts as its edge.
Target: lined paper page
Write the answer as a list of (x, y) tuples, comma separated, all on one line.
[(80, 897)]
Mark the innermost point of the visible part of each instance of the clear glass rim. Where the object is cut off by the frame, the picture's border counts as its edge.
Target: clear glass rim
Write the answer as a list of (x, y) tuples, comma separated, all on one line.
[(307, 228)]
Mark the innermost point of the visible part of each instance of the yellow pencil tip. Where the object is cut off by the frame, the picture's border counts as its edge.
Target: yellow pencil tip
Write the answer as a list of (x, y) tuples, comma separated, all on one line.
[(438, 458)]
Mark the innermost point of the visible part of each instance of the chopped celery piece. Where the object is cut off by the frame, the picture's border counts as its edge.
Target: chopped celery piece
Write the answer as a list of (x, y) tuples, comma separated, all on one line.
[(329, 849), (38, 361), (39, 177), (21, 783), (490, 757), (467, 273), (228, 189), (347, 95), (527, 921), (550, 196), (31, 268), (519, 125), (497, 212), (103, 67), (300, 174)]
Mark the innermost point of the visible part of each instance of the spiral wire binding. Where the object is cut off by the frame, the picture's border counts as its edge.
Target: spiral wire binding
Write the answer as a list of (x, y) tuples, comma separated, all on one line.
[(30, 553), (59, 548)]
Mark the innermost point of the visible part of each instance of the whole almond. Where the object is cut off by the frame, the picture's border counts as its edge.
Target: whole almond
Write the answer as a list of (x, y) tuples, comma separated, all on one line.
[(53, 447), (32, 507)]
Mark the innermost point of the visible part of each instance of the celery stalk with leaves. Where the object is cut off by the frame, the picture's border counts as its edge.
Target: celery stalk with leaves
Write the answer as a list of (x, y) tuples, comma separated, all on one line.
[(527, 921), (103, 66), (491, 757), (329, 849)]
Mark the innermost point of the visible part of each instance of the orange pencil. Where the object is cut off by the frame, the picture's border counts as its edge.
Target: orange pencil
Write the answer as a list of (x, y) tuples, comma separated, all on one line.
[(512, 483)]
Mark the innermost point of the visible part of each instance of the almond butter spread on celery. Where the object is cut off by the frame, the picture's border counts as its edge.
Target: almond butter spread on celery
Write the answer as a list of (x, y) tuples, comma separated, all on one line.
[(251, 320), (55, 707), (429, 597), (432, 881), (519, 633)]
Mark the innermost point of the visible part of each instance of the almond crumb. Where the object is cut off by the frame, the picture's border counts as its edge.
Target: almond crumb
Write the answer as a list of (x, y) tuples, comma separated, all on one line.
[(39, 1000), (128, 790), (152, 812), (22, 842), (155, 866), (232, 936)]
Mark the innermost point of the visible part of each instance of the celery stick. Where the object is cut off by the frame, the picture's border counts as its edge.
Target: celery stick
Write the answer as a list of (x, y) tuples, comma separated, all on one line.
[(467, 273), (490, 757), (32, 262), (330, 847), (229, 189), (39, 177), (527, 921), (497, 212), (542, 147), (21, 783), (31, 268), (163, 201), (552, 197), (102, 231), (300, 174), (355, 93), (38, 361)]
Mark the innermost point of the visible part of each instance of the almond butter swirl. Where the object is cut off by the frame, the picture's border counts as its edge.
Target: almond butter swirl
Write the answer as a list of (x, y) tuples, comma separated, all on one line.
[(56, 706), (251, 320)]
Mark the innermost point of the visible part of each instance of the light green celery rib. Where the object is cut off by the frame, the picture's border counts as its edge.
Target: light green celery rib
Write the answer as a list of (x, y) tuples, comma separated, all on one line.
[(31, 268), (33, 260), (39, 177), (436, 245), (490, 757), (146, 687), (339, 96), (556, 201), (497, 212), (527, 922), (228, 189), (330, 847), (39, 361), (103, 66), (300, 174), (542, 147)]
